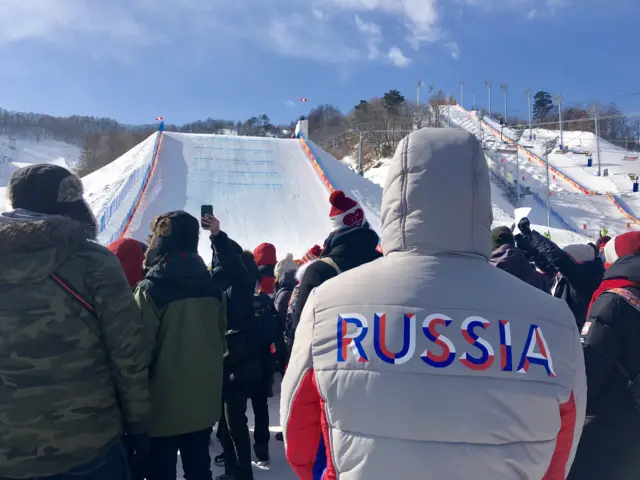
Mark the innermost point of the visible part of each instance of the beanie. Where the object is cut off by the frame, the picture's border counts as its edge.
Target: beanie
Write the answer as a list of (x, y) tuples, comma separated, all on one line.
[(284, 266), (51, 190), (265, 254), (175, 231), (131, 255), (345, 211), (621, 246), (501, 236), (312, 254)]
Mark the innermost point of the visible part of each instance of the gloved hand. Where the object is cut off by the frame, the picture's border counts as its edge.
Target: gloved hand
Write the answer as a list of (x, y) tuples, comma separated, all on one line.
[(524, 225), (139, 448)]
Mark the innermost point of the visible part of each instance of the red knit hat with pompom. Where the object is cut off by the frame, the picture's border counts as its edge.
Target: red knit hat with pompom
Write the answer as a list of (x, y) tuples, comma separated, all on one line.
[(621, 246), (345, 211)]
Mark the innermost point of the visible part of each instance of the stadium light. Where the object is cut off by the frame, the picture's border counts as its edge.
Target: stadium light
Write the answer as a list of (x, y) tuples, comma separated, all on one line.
[(462, 93), (559, 102), (548, 148), (593, 113), (488, 85), (504, 87), (528, 92)]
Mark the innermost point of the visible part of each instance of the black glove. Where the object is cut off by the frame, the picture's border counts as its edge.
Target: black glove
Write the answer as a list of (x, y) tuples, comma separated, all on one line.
[(139, 448), (524, 225)]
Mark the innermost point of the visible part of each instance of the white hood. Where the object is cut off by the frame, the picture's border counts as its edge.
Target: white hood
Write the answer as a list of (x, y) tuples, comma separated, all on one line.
[(437, 197)]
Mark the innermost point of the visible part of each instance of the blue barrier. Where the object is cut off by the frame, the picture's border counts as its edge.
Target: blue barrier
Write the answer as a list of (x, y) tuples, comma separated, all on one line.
[(317, 159), (144, 171), (627, 211)]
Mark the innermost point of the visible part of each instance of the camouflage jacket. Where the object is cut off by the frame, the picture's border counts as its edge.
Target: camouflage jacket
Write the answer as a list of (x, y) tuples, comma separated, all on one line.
[(70, 383)]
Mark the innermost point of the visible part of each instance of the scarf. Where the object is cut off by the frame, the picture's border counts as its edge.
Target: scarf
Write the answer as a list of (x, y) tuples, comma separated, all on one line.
[(608, 285)]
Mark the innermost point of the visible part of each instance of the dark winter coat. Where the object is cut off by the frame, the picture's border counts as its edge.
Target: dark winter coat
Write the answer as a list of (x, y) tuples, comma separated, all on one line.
[(610, 440), (575, 283), (69, 382), (348, 248), (512, 260), (184, 309), (284, 289), (239, 282)]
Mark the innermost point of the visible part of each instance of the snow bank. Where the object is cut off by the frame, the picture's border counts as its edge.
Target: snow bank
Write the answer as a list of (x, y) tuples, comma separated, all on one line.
[(21, 153)]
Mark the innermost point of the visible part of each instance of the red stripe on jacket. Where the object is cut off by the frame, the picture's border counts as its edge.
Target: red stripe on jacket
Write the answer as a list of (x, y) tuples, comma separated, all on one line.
[(304, 430), (564, 443), (330, 472)]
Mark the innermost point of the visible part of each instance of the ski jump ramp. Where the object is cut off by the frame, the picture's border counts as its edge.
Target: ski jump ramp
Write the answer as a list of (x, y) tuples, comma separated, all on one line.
[(261, 189)]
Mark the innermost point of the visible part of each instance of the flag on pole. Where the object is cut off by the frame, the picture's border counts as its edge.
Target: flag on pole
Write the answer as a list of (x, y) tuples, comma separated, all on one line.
[(304, 100), (159, 119)]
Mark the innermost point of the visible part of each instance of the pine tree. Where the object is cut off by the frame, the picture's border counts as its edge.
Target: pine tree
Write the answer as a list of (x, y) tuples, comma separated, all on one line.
[(542, 106)]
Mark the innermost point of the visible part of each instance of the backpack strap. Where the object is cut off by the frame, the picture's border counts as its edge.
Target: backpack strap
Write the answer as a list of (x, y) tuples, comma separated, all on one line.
[(333, 264), (73, 293), (630, 298), (634, 301)]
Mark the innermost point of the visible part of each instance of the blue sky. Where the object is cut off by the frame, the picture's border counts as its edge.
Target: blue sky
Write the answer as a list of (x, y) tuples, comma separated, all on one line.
[(191, 59)]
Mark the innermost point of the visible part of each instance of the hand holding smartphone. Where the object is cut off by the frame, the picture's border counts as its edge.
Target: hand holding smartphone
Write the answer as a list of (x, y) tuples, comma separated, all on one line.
[(208, 221), (205, 210)]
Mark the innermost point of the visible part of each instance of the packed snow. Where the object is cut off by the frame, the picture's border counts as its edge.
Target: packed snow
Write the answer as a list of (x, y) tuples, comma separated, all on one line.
[(585, 213), (16, 153), (278, 467), (261, 189)]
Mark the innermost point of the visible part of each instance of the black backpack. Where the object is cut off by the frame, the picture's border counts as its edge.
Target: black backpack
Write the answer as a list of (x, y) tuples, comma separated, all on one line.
[(633, 384), (265, 320)]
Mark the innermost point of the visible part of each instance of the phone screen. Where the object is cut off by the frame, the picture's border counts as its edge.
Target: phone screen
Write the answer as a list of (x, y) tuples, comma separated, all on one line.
[(206, 210)]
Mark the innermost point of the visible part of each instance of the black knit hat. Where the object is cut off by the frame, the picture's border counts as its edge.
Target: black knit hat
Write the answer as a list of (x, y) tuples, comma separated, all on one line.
[(50, 190), (175, 231), (502, 236)]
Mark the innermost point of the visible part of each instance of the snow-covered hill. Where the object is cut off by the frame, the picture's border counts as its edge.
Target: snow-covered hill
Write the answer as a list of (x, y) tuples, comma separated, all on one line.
[(15, 154)]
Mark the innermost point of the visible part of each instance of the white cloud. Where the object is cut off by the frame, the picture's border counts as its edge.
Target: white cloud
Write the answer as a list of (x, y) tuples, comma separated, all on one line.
[(293, 36), (319, 14), (316, 30), (532, 14), (290, 103), (367, 28), (372, 33), (419, 16), (454, 49), (396, 57)]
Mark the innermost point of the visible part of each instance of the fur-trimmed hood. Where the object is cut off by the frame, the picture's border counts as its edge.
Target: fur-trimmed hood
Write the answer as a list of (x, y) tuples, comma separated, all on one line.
[(33, 245)]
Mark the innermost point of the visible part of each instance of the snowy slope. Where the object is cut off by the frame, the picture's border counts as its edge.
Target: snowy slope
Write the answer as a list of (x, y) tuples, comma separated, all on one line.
[(578, 209), (261, 189), (21, 153), (102, 186), (367, 193)]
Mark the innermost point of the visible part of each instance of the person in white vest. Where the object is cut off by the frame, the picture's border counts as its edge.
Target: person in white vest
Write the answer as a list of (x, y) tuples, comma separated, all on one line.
[(430, 363)]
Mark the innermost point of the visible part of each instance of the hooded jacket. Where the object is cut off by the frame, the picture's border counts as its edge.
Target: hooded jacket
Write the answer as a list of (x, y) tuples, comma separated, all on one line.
[(67, 379), (512, 260), (184, 308), (611, 436), (431, 360)]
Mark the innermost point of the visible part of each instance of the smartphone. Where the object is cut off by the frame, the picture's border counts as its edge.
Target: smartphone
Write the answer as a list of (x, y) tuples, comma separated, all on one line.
[(204, 211)]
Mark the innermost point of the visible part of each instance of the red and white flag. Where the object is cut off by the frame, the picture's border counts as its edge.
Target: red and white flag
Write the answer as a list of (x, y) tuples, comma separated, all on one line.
[(304, 100), (159, 119)]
